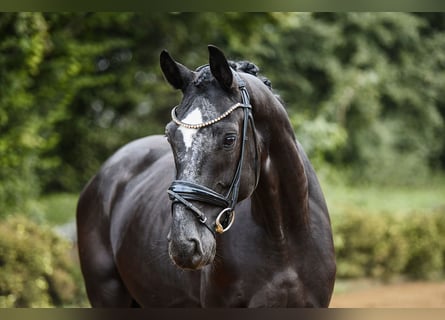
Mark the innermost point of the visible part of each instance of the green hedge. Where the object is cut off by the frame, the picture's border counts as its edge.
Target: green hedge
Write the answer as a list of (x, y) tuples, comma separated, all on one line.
[(37, 268), (384, 245)]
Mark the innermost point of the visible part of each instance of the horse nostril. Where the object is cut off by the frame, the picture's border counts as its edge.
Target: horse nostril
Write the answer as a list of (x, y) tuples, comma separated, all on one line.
[(197, 248)]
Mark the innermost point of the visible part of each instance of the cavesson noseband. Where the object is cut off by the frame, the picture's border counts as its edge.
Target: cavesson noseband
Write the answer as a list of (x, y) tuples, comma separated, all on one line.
[(182, 191)]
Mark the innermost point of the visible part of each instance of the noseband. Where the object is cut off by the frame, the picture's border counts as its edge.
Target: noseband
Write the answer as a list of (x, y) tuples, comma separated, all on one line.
[(183, 192)]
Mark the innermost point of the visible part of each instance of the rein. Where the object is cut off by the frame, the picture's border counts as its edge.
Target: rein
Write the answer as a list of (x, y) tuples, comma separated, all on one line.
[(183, 192)]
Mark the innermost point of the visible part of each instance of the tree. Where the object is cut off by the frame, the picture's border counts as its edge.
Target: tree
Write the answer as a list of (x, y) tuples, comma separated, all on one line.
[(363, 90), (22, 49)]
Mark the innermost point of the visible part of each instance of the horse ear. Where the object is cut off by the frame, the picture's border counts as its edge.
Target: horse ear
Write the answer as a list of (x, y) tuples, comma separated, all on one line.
[(220, 67), (175, 73)]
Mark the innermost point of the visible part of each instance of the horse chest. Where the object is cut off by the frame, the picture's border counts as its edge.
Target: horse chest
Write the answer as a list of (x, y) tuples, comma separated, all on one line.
[(262, 287), (253, 272), (282, 289)]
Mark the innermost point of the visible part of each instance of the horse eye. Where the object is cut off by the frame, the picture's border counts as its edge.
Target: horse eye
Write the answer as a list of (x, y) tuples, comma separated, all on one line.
[(229, 140)]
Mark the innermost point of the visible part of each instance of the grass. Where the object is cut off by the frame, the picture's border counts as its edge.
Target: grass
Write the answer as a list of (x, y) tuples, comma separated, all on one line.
[(397, 200), (59, 208)]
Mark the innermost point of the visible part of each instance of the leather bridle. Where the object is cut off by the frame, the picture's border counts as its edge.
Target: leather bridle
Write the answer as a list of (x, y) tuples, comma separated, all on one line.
[(183, 192)]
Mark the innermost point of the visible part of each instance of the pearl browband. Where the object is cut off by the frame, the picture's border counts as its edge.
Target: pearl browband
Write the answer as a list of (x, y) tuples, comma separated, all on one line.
[(207, 123)]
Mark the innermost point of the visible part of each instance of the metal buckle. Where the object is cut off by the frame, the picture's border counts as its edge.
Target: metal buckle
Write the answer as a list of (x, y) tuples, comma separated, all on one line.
[(218, 226)]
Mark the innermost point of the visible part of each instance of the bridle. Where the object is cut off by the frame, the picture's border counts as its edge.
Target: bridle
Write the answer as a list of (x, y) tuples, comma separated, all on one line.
[(182, 191)]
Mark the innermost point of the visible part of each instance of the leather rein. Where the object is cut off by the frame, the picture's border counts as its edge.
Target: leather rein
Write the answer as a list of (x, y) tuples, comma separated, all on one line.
[(183, 192)]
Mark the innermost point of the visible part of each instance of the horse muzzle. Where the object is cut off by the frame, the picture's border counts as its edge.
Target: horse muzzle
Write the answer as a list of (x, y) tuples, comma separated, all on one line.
[(190, 253)]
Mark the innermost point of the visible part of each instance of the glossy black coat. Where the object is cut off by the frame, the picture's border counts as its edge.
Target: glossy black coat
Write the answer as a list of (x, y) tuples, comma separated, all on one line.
[(136, 248)]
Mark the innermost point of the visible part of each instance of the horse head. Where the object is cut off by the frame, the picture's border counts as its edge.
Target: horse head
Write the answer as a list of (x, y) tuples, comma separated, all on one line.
[(215, 149)]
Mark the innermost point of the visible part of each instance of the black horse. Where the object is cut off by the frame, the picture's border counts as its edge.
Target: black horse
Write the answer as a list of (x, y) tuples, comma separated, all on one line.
[(152, 223)]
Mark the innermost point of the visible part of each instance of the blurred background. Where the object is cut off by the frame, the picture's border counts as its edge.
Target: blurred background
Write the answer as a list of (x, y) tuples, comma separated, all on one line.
[(364, 91)]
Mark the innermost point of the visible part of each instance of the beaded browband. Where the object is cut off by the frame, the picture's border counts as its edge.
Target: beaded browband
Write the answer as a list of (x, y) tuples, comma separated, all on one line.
[(207, 123)]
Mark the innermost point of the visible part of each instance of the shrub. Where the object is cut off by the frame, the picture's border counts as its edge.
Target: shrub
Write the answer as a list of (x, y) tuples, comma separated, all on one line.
[(368, 245), (425, 246), (384, 245), (37, 267), (440, 223)]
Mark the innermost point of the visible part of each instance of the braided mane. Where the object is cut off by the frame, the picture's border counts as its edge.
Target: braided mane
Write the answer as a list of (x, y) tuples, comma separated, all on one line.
[(251, 68), (243, 66)]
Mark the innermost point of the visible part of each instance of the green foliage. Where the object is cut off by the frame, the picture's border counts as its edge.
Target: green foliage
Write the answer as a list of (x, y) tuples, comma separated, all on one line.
[(37, 268), (382, 245), (58, 209), (385, 233), (427, 248), (370, 77), (320, 137), (363, 90), (21, 51), (369, 245)]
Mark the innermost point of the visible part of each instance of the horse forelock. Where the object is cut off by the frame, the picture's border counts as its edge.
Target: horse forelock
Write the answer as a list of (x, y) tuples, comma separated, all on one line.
[(204, 75)]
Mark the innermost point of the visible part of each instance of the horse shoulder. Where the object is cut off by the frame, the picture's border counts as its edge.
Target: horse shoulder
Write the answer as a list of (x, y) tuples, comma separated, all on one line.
[(319, 244)]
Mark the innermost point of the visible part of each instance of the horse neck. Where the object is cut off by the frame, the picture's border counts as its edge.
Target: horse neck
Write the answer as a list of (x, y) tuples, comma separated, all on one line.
[(280, 201)]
